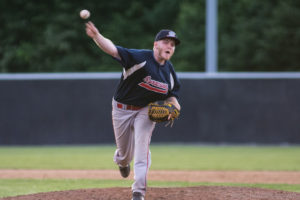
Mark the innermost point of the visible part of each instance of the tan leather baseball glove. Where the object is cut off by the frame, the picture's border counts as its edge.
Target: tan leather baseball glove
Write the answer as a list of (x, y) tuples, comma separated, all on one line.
[(166, 112)]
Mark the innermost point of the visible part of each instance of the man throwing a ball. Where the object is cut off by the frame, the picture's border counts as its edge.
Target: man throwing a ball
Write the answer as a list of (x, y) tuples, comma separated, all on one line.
[(148, 76)]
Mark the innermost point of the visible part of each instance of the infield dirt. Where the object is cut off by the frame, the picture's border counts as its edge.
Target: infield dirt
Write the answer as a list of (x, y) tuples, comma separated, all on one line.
[(271, 177), (183, 193)]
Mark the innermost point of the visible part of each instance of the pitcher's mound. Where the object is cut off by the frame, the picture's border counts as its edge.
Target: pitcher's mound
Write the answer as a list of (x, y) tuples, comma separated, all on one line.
[(183, 193)]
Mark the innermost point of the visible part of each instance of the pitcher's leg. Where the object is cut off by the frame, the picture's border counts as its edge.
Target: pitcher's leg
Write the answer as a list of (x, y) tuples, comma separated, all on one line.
[(124, 136), (125, 148), (142, 156)]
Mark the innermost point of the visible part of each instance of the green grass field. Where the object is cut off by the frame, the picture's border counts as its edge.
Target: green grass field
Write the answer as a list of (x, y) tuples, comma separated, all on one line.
[(184, 157), (164, 157)]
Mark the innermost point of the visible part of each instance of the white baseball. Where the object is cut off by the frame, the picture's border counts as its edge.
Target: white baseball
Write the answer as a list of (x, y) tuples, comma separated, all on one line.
[(84, 14)]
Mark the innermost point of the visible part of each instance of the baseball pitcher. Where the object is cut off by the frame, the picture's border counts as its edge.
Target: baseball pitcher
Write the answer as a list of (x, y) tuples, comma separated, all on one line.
[(148, 77)]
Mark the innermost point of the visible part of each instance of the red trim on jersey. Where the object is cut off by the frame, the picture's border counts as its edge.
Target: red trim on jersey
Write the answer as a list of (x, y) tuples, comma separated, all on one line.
[(151, 88)]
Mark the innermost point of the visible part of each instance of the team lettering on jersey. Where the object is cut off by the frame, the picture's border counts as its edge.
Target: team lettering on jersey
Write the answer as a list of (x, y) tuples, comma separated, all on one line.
[(154, 86)]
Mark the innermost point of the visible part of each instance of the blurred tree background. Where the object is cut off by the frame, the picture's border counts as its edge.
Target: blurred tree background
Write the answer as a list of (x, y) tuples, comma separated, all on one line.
[(49, 36)]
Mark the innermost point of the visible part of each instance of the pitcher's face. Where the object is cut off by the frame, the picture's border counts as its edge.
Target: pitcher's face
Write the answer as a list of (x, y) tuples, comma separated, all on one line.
[(164, 49)]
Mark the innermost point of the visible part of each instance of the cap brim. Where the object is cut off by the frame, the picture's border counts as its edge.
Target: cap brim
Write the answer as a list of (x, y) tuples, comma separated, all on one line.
[(177, 41)]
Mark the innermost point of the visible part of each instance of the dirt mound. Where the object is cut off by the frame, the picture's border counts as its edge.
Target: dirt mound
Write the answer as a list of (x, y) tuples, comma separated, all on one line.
[(183, 193)]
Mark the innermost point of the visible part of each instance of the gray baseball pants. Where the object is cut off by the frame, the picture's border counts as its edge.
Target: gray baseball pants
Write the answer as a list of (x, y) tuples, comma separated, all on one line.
[(133, 130)]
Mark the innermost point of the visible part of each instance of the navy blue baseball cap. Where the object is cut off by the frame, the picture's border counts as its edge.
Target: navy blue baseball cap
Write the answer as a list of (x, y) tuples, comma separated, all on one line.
[(165, 33)]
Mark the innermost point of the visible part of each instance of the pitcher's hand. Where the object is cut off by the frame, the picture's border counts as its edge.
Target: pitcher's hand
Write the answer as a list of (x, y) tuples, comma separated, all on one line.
[(91, 30)]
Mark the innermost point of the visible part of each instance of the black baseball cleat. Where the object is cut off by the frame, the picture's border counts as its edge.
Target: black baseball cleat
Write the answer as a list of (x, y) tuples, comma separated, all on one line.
[(125, 171), (137, 196)]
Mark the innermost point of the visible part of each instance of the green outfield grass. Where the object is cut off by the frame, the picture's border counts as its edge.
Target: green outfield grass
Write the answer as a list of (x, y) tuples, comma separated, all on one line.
[(164, 157), (168, 157)]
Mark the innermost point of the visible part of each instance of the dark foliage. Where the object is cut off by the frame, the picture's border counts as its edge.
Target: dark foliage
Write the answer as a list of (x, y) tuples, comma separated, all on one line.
[(49, 36)]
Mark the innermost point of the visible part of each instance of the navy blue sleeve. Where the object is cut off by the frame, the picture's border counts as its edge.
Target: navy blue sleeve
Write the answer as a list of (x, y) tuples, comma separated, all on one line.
[(127, 59)]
